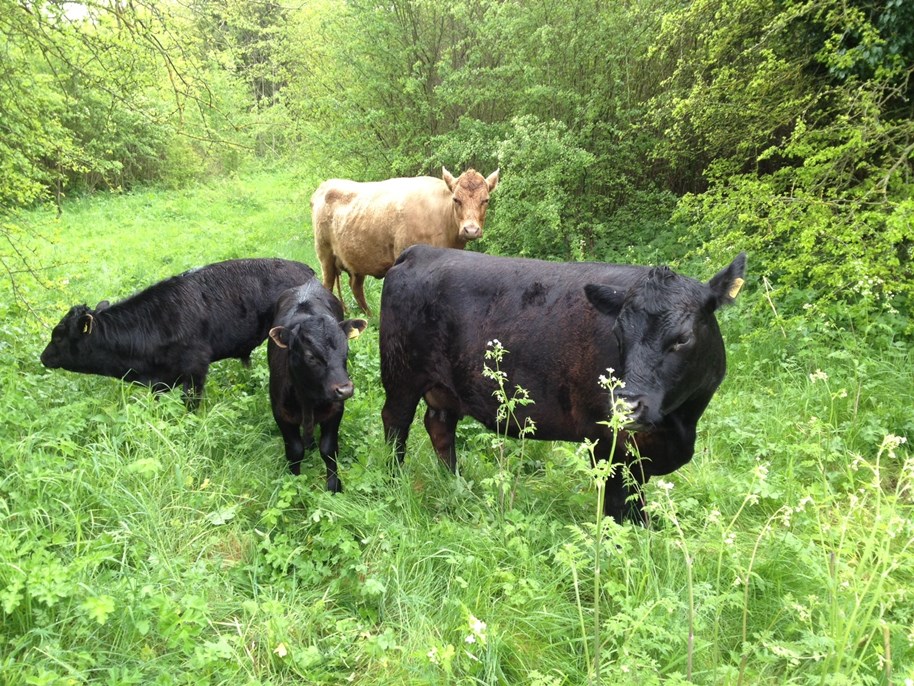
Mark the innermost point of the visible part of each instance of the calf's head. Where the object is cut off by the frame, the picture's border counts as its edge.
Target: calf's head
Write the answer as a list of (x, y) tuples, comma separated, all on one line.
[(670, 346), (317, 347), (72, 340), (470, 195)]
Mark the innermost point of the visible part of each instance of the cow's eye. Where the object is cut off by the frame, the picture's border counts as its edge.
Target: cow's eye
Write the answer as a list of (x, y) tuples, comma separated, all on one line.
[(457, 201), (485, 201), (681, 342)]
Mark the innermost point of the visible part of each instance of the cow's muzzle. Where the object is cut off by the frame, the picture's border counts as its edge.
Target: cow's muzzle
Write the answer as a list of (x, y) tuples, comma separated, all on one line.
[(637, 411), (343, 391), (470, 232)]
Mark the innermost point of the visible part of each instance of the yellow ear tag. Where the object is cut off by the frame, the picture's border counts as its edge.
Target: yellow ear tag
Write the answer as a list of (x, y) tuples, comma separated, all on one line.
[(354, 333), (735, 288)]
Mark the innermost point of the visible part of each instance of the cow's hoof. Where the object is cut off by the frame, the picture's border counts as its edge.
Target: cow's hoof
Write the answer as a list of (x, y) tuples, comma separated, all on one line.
[(334, 485)]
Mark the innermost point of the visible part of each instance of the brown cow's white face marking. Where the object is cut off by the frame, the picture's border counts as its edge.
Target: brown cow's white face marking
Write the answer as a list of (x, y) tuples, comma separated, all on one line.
[(470, 195)]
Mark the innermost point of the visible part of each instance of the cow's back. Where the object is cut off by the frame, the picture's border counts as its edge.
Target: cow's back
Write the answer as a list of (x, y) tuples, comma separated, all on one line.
[(441, 310), (366, 225), (239, 299), (223, 309)]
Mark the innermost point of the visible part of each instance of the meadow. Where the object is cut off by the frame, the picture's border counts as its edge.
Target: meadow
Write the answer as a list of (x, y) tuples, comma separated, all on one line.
[(143, 544)]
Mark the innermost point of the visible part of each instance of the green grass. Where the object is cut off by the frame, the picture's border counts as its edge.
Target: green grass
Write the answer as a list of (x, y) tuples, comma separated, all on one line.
[(141, 544)]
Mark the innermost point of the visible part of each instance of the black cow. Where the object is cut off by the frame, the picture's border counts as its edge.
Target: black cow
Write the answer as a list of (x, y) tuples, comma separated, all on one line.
[(308, 378), (168, 334), (562, 325)]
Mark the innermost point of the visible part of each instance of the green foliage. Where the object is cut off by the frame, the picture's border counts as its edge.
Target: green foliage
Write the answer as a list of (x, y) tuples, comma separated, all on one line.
[(104, 96), (536, 203), (801, 115)]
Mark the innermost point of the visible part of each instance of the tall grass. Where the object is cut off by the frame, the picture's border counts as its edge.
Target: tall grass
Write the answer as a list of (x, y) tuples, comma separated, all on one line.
[(141, 544)]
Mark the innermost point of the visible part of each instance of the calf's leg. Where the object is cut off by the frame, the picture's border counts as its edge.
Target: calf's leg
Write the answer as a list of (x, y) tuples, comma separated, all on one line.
[(295, 448), (329, 448)]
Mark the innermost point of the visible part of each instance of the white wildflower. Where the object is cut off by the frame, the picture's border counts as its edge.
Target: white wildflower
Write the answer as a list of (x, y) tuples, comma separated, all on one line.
[(818, 375)]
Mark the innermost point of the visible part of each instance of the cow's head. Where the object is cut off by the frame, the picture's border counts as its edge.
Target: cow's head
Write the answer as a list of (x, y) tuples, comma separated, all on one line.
[(470, 195), (318, 346), (72, 339), (669, 342)]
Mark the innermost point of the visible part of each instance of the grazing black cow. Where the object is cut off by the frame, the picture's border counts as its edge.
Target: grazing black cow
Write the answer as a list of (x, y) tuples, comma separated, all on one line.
[(168, 334), (562, 325), (308, 378)]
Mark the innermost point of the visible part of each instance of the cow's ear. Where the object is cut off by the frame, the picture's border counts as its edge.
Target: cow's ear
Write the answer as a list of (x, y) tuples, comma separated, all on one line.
[(492, 180), (86, 323), (280, 336), (353, 328), (448, 178), (726, 284), (606, 299), (103, 305)]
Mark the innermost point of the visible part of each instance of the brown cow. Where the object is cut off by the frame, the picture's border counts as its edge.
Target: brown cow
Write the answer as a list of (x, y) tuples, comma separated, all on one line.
[(361, 228)]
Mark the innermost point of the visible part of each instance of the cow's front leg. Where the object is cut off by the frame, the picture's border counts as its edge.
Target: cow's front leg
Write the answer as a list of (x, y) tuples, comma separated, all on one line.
[(357, 284), (623, 498), (441, 426), (329, 448), (397, 416)]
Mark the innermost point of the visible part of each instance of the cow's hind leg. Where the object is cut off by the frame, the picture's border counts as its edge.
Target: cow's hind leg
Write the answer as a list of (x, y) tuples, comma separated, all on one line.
[(441, 426)]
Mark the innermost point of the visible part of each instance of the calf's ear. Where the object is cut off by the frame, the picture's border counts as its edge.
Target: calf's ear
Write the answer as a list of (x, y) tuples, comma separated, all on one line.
[(606, 299), (353, 327), (448, 178), (726, 284), (280, 336), (103, 305), (492, 180)]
